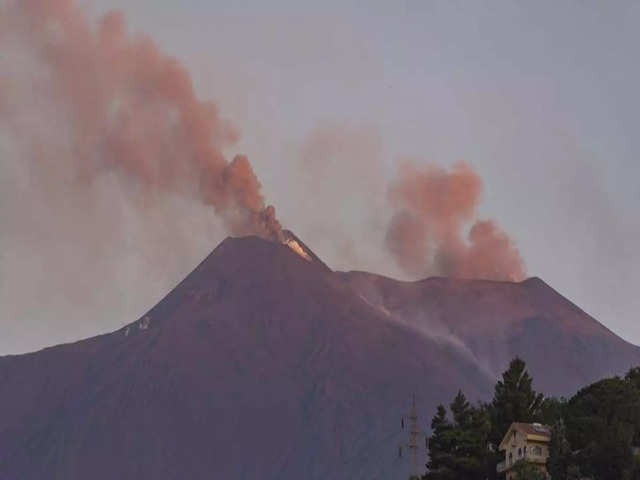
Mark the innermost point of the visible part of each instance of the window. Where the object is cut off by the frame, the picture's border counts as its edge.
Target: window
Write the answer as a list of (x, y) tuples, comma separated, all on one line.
[(525, 450), (510, 458), (537, 451), (519, 452)]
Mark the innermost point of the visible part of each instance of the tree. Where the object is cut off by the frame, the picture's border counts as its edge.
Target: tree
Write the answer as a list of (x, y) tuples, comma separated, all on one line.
[(527, 471), (514, 400), (633, 377), (457, 450), (609, 404), (551, 410), (635, 471), (461, 409), (611, 458), (592, 433), (440, 456), (573, 473), (602, 421), (561, 464)]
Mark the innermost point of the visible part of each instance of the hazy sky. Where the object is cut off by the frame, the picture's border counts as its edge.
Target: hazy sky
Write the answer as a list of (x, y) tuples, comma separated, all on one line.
[(540, 97)]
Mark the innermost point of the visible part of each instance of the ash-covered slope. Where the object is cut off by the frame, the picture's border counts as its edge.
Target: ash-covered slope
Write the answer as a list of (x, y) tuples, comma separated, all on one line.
[(564, 347), (265, 364), (261, 364)]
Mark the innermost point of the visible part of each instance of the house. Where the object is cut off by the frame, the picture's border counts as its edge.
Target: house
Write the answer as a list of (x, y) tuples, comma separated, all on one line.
[(524, 441)]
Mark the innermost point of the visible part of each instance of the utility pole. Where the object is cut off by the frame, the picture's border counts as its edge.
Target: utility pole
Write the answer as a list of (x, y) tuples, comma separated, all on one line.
[(414, 434)]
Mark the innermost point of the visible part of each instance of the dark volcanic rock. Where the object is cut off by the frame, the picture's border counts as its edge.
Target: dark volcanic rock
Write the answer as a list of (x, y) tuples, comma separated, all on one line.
[(263, 365), (564, 347), (259, 365)]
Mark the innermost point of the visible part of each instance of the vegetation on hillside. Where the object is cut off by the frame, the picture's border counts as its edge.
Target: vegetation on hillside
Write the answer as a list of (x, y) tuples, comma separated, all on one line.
[(593, 433)]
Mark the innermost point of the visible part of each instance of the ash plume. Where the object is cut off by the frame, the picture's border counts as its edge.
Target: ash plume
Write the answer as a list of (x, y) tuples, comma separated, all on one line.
[(115, 177), (123, 107), (427, 235)]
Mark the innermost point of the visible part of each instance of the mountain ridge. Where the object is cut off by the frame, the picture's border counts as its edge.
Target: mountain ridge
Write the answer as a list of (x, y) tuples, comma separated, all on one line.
[(318, 366)]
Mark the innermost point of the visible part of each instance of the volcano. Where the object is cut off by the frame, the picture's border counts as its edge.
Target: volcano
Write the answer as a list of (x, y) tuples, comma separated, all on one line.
[(263, 363)]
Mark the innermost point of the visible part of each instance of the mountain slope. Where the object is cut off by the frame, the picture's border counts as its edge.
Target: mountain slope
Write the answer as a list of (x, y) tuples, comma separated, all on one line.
[(265, 364), (564, 347), (260, 364)]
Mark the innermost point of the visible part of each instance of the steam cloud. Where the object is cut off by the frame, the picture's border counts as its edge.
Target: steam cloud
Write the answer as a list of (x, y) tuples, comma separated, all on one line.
[(114, 183), (426, 235), (113, 177), (130, 110)]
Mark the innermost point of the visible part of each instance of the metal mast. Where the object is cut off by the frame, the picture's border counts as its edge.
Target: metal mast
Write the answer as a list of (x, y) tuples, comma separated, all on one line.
[(414, 434)]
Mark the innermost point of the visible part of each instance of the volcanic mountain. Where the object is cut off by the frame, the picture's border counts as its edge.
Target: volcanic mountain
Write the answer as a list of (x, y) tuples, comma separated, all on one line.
[(265, 364)]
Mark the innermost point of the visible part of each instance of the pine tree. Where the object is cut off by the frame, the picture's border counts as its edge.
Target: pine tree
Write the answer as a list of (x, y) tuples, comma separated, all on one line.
[(514, 400), (461, 409), (440, 456), (559, 463), (457, 450)]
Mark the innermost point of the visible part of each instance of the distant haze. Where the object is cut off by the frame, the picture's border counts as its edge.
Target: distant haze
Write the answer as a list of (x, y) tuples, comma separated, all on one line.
[(341, 111)]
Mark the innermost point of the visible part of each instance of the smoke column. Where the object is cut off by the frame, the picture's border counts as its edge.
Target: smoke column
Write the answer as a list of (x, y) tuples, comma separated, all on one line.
[(126, 109), (427, 235), (123, 109)]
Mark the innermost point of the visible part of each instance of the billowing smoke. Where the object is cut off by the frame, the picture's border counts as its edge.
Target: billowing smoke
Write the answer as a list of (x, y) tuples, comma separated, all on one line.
[(434, 230), (123, 108), (115, 182)]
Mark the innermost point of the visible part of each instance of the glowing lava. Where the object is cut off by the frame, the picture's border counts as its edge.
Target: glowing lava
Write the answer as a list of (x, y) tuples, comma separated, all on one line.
[(295, 246)]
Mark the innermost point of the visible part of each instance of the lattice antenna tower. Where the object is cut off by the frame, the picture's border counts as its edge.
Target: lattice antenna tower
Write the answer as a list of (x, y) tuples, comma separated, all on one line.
[(410, 422)]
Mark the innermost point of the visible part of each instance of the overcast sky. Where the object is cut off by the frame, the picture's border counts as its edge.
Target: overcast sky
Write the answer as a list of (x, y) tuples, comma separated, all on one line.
[(540, 97)]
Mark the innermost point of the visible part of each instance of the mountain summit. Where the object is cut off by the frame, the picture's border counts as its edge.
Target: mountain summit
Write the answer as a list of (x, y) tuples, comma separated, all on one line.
[(298, 246), (265, 364)]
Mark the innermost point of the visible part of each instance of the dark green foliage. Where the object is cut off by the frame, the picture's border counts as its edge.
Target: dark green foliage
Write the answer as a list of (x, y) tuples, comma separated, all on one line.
[(561, 463), (592, 436), (573, 473), (457, 450), (609, 405), (608, 459), (514, 400), (440, 455), (633, 377), (551, 410), (602, 422), (635, 470), (527, 471), (461, 409)]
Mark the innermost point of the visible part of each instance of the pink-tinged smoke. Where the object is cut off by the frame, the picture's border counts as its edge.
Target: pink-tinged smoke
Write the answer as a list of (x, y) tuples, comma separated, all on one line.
[(128, 109), (434, 229)]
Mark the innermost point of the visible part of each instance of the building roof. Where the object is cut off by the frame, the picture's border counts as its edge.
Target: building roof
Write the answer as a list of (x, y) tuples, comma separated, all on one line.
[(535, 432)]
